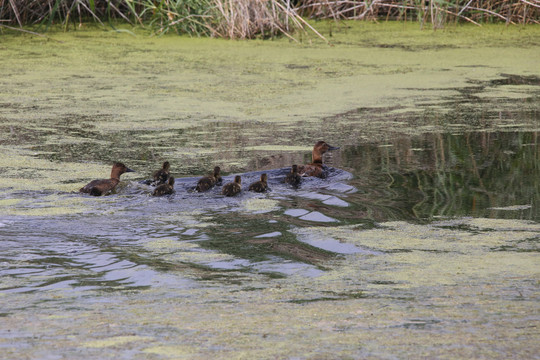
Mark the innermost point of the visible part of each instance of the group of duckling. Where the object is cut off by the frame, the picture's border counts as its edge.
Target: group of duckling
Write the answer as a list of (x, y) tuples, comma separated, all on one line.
[(164, 182)]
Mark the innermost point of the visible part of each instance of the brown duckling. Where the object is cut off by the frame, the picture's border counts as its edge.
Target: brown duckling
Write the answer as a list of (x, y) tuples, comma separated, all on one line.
[(260, 186), (165, 189), (161, 176), (208, 182), (232, 188), (293, 178), (316, 166), (104, 186)]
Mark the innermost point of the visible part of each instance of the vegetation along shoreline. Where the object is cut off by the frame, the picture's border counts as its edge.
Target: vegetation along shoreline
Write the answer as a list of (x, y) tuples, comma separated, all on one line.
[(247, 19)]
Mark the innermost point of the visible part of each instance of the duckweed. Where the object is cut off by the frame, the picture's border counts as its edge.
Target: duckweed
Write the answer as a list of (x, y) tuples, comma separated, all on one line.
[(434, 251)]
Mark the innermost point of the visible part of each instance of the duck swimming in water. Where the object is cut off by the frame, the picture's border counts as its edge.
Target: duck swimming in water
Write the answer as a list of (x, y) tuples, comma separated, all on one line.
[(232, 188), (293, 178), (260, 186), (161, 176), (316, 166), (208, 182), (104, 186), (165, 189)]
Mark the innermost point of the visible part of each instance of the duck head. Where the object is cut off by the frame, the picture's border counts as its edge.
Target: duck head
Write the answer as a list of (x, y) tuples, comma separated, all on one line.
[(118, 169), (319, 149), (322, 146)]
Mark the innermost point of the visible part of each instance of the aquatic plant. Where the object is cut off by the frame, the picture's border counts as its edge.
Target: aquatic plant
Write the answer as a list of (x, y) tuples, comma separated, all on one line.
[(437, 12), (47, 12), (250, 18), (180, 16), (241, 19)]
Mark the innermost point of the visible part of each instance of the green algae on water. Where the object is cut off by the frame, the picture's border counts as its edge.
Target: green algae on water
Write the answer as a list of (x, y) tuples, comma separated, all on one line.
[(189, 276)]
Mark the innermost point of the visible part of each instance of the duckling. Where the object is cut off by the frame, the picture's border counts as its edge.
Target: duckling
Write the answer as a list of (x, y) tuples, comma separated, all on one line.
[(232, 188), (293, 178), (164, 189), (104, 186), (161, 176), (260, 186), (316, 166), (208, 182)]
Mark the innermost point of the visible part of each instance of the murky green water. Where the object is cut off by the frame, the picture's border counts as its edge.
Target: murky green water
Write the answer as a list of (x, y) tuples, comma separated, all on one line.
[(421, 243)]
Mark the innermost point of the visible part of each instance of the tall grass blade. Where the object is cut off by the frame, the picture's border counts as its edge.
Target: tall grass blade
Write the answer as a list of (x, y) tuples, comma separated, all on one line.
[(244, 19), (16, 12)]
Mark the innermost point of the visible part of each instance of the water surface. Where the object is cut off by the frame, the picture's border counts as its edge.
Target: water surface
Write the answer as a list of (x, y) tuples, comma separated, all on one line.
[(422, 242)]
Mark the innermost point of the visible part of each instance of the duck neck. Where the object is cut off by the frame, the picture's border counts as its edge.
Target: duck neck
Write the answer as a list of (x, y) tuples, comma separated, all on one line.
[(316, 157), (115, 175)]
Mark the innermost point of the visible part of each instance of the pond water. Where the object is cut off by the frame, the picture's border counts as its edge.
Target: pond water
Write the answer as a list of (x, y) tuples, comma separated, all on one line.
[(422, 242)]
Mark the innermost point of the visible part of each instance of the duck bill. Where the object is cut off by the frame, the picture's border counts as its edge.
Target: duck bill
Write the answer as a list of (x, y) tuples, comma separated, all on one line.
[(129, 170), (332, 147)]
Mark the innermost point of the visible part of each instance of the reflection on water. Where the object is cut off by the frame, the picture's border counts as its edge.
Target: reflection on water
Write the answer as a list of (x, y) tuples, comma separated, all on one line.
[(401, 226), (131, 239), (479, 174)]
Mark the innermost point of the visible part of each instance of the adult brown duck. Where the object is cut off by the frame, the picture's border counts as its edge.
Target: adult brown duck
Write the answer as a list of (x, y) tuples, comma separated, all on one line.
[(316, 166), (104, 186)]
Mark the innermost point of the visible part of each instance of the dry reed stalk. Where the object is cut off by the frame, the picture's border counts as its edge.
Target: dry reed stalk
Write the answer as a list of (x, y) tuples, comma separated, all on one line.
[(250, 18), (246, 19), (439, 13), (529, 3), (298, 19), (369, 9), (16, 12)]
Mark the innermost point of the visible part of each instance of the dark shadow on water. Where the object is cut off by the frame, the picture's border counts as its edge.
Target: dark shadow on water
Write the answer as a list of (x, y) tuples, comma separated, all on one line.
[(510, 79)]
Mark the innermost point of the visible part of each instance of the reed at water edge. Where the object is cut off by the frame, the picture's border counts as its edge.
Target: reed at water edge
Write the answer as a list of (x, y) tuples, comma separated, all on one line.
[(435, 12), (243, 19)]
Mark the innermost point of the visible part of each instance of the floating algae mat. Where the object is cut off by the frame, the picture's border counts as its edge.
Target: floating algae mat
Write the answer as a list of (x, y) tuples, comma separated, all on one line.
[(422, 242)]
